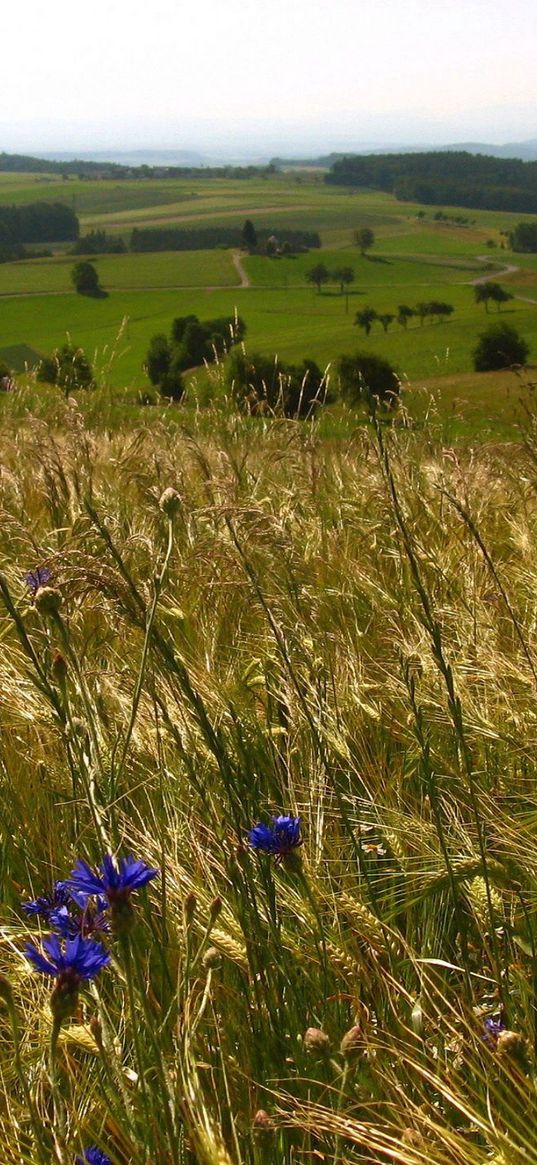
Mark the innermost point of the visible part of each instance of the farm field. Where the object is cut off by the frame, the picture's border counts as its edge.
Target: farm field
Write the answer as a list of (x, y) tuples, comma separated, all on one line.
[(308, 629), (412, 260), (268, 729)]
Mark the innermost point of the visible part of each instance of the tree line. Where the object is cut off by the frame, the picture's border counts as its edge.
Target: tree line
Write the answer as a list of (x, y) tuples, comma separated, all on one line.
[(209, 238), (36, 222), (84, 168), (444, 176)]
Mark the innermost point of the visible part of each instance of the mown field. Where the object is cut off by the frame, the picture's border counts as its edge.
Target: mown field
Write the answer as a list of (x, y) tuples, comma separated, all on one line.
[(413, 259), (338, 631)]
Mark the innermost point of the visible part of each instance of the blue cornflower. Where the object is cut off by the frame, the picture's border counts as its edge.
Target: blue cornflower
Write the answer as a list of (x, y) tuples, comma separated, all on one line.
[(37, 578), (115, 883), (278, 839), (89, 919), (93, 1156), (82, 958), (491, 1030), (47, 903), (55, 910)]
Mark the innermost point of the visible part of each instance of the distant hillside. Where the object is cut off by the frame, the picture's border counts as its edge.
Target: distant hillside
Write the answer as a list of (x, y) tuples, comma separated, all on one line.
[(523, 151), (455, 178), (89, 168)]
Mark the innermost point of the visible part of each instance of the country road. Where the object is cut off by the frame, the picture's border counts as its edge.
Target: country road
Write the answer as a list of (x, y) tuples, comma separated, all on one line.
[(508, 269)]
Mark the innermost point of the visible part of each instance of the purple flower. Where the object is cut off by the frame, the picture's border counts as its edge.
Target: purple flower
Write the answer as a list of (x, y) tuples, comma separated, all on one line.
[(82, 958), (89, 919), (93, 1156), (47, 903), (277, 839), (491, 1030), (37, 578), (56, 910), (115, 883)]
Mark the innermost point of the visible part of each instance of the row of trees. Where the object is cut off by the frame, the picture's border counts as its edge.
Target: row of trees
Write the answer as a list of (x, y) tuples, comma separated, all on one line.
[(319, 275), (490, 292), (191, 343), (99, 243), (524, 237), (206, 238), (434, 309)]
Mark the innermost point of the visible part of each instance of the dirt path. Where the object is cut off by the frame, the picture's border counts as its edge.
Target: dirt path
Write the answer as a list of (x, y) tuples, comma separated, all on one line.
[(508, 269), (245, 280)]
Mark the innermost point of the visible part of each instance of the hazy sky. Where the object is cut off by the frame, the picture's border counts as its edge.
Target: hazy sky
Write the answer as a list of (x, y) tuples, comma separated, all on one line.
[(214, 73)]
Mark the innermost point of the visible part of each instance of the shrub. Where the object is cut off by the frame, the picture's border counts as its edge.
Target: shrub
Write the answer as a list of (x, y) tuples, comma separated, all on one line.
[(263, 384), (366, 375), (85, 279), (500, 346), (67, 367), (158, 358)]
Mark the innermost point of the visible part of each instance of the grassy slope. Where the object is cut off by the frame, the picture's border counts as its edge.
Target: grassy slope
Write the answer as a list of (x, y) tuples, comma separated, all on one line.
[(412, 260)]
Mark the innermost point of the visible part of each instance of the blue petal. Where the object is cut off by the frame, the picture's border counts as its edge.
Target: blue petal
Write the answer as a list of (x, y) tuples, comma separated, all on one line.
[(38, 960), (83, 879)]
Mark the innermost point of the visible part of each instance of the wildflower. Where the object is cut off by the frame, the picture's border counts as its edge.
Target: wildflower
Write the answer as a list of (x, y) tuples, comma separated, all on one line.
[(37, 578), (491, 1030), (87, 921), (54, 910), (81, 958), (93, 1156), (44, 905), (115, 883), (278, 839)]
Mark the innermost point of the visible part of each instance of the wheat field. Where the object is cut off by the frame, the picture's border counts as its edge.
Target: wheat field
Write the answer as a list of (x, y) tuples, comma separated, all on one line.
[(236, 622)]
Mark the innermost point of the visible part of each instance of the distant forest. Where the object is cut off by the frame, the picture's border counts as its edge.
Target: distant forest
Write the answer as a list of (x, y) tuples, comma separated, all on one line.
[(80, 168), (438, 177)]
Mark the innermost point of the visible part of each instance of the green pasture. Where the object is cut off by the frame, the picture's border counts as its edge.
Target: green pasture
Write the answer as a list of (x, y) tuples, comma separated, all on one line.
[(293, 323), (370, 271), (167, 269), (412, 259)]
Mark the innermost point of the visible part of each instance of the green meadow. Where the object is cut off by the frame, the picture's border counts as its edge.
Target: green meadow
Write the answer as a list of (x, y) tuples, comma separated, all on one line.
[(413, 259)]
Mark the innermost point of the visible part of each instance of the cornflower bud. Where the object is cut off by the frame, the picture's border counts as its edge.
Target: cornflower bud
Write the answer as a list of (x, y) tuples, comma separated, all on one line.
[(316, 1043), (189, 908), (48, 601), (170, 502), (262, 1122), (214, 910), (59, 668), (352, 1043), (6, 991), (211, 959), (511, 1046)]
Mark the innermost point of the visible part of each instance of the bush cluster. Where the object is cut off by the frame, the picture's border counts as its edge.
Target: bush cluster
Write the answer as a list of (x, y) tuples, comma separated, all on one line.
[(192, 342), (264, 384)]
